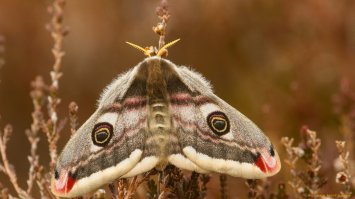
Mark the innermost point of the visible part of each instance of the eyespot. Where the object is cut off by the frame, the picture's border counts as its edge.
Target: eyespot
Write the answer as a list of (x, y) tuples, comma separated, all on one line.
[(218, 123), (102, 134)]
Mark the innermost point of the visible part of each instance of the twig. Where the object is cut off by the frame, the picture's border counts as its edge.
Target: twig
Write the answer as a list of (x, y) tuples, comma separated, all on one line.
[(73, 116), (343, 175), (281, 192), (293, 155), (305, 183), (43, 184), (311, 178), (223, 189), (37, 95), (131, 188), (8, 168), (252, 185), (258, 188), (344, 103), (160, 29), (4, 192), (204, 179), (121, 188), (58, 31)]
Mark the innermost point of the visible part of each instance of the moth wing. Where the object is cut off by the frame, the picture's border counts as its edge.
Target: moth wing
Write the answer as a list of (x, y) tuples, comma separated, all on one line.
[(83, 165), (244, 151)]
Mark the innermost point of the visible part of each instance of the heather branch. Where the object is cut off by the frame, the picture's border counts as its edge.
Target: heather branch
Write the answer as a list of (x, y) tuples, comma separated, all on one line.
[(343, 175), (306, 183), (223, 189), (312, 179), (73, 116), (43, 184), (8, 168), (160, 29), (2, 168), (37, 95), (58, 31), (344, 103), (4, 192), (293, 155), (163, 14), (33, 159)]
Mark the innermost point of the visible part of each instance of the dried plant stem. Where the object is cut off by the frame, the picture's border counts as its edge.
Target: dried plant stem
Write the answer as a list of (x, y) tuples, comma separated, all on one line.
[(258, 188), (252, 185), (293, 155), (37, 95), (4, 192), (305, 183), (312, 178), (33, 159), (344, 175), (160, 29), (121, 188), (73, 116), (344, 103), (43, 184), (58, 31), (7, 168), (223, 189)]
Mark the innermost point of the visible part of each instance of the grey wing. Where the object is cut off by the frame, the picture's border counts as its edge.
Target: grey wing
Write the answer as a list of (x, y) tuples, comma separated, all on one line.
[(216, 137), (111, 143)]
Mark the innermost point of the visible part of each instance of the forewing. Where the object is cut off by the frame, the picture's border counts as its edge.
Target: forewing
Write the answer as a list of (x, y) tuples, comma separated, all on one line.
[(111, 143)]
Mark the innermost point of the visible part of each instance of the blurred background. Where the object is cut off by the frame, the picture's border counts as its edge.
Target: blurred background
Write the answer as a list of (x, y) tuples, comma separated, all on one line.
[(279, 62)]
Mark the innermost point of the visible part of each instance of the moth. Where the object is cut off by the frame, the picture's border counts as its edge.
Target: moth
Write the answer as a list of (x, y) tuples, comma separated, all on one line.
[(157, 114)]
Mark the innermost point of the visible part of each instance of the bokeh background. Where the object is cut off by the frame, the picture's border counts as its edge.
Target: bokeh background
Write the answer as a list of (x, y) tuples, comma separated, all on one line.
[(278, 62)]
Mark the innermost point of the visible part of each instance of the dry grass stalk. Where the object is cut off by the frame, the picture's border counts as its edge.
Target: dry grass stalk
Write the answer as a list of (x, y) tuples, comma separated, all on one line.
[(160, 29), (58, 31), (252, 186), (281, 192), (344, 103), (306, 183), (312, 178), (259, 189), (343, 175), (163, 14), (50, 127), (293, 155), (6, 167), (223, 187), (38, 96), (73, 116)]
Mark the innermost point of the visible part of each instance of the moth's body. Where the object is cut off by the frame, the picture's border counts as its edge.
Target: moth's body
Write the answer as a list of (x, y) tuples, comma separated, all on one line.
[(158, 114), (159, 118)]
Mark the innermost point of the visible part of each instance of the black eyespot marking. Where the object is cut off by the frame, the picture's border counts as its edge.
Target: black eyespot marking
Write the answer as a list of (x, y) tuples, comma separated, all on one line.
[(102, 134), (218, 123), (56, 174), (272, 152)]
